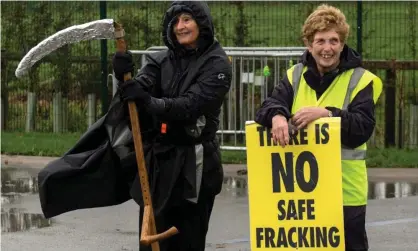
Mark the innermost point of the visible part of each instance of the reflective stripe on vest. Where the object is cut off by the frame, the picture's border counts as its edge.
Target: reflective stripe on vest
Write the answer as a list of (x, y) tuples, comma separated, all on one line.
[(296, 75), (352, 154), (346, 153), (355, 78)]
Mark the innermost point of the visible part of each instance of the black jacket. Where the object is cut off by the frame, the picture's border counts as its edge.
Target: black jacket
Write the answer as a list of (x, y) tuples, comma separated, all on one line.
[(357, 122), (101, 169), (192, 83)]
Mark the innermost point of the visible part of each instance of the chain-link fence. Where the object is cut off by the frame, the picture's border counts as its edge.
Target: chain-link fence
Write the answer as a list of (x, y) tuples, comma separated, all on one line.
[(71, 87)]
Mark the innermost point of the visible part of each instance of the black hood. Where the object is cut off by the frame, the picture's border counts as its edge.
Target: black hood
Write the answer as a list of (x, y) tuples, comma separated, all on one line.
[(200, 12), (349, 59)]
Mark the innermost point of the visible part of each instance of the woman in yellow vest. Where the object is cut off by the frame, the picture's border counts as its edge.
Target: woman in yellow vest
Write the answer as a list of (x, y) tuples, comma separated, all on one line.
[(330, 82)]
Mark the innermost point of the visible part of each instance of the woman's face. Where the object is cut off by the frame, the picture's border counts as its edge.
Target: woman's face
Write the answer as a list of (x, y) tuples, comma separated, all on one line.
[(186, 30), (326, 48)]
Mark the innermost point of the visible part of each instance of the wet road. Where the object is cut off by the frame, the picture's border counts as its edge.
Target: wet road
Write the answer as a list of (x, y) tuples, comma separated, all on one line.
[(115, 228)]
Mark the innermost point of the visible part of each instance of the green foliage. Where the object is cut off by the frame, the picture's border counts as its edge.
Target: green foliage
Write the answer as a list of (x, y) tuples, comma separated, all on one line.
[(238, 23), (37, 144)]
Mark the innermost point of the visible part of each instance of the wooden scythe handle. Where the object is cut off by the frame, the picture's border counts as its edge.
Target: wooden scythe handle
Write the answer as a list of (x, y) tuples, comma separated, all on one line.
[(149, 232)]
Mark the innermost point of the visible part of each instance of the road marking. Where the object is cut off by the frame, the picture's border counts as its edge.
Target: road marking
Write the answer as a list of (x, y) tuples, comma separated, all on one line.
[(389, 222)]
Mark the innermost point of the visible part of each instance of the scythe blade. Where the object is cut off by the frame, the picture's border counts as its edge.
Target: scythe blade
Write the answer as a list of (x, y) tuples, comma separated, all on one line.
[(99, 29)]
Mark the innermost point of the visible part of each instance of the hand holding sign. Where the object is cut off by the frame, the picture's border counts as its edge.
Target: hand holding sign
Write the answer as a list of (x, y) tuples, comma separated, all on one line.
[(280, 130), (306, 115)]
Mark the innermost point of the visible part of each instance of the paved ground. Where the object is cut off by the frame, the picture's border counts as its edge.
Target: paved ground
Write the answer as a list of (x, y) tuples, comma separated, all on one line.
[(392, 223)]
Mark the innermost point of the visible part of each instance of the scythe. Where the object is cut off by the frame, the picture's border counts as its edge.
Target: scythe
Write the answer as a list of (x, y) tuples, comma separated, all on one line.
[(106, 29)]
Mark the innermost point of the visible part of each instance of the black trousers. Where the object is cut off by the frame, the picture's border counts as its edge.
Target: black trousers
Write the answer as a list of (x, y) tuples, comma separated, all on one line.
[(355, 228), (192, 221)]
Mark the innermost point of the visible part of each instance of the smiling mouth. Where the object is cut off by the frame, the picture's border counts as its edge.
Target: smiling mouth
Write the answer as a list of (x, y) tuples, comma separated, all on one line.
[(327, 56), (183, 33)]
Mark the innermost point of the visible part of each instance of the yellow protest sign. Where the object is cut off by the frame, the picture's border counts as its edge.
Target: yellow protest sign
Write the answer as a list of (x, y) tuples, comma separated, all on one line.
[(295, 192)]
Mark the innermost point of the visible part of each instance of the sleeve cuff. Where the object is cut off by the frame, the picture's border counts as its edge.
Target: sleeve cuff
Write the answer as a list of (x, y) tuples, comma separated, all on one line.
[(283, 112), (336, 112)]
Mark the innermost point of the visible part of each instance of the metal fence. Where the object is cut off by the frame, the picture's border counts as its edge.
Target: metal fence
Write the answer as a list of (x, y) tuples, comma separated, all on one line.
[(72, 87), (255, 72)]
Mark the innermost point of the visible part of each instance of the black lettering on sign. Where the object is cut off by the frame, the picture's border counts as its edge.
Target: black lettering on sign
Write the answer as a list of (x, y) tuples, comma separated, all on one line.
[(285, 171), (282, 211), (279, 171), (300, 137), (307, 186), (295, 210), (259, 236), (303, 240), (266, 234), (298, 237), (310, 209), (321, 236), (291, 211), (333, 237), (260, 130), (293, 139), (303, 136), (263, 131), (292, 243), (269, 237), (325, 133), (317, 135), (321, 134), (281, 239)]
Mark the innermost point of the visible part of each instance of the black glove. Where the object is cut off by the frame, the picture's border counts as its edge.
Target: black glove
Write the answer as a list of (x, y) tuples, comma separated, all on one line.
[(122, 63), (131, 90)]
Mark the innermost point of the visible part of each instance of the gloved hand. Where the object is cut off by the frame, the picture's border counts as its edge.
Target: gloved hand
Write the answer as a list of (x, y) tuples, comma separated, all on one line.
[(131, 90), (122, 63)]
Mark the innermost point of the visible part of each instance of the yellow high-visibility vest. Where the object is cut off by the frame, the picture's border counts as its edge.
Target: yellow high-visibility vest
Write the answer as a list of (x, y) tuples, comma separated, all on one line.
[(339, 94)]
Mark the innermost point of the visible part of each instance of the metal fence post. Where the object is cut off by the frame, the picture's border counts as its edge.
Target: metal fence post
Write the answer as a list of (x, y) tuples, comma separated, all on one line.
[(390, 112), (4, 97), (103, 56), (359, 26)]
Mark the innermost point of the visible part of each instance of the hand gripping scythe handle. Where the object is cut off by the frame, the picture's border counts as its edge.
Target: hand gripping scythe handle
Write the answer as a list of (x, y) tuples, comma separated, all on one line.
[(148, 233)]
